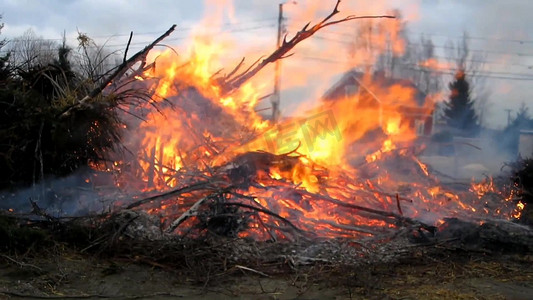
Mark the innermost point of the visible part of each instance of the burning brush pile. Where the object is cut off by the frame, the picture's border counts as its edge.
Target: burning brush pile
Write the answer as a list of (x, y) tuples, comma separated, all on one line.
[(201, 161)]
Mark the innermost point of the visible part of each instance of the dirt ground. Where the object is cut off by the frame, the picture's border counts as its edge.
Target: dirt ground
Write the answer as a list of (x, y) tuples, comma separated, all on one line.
[(421, 274)]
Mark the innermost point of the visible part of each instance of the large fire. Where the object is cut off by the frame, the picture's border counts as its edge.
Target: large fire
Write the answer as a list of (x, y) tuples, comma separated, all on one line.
[(314, 171)]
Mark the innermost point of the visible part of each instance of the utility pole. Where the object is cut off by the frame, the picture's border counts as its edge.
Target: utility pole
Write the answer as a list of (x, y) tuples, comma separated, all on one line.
[(275, 99), (508, 116)]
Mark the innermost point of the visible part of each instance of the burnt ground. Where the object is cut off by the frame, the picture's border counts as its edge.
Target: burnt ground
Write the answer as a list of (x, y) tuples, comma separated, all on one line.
[(249, 270), (112, 256)]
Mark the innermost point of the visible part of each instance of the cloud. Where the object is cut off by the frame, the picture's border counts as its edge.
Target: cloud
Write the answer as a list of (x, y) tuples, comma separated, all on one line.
[(98, 17)]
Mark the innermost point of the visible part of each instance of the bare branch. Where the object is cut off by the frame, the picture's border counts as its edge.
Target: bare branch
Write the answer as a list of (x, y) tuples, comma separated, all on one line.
[(236, 68), (231, 84), (246, 71), (127, 47)]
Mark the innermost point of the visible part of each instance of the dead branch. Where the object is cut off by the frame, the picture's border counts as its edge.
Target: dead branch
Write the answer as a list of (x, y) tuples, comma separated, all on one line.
[(174, 193), (251, 270), (266, 211), (239, 65), (398, 204), (230, 84), (189, 213), (119, 71), (21, 264), (245, 71), (396, 217), (127, 48), (36, 210), (350, 227)]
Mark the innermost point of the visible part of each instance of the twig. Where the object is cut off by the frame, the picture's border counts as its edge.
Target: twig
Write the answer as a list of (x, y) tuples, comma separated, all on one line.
[(123, 228), (251, 270), (41, 213), (266, 211), (236, 68), (348, 227), (190, 212), (398, 218), (193, 187), (96, 242), (270, 233), (398, 204), (21, 264), (127, 47)]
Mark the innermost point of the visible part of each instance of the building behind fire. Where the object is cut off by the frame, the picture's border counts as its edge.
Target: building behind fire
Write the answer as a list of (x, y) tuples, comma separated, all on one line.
[(353, 83)]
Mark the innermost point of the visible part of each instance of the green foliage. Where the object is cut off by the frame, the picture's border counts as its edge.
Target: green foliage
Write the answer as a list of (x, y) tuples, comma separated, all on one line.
[(459, 112)]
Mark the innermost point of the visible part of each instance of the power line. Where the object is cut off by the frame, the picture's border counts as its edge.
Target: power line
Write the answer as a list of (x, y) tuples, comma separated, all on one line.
[(501, 75), (180, 29), (142, 43), (352, 35), (323, 36), (520, 41), (467, 37), (348, 42), (485, 74), (521, 54)]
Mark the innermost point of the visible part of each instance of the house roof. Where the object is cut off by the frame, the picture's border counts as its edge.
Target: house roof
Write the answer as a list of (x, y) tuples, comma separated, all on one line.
[(354, 77)]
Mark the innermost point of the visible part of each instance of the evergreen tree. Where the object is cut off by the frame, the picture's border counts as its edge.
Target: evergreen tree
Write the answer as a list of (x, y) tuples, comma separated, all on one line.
[(522, 119), (4, 69), (459, 111), (509, 137), (63, 53)]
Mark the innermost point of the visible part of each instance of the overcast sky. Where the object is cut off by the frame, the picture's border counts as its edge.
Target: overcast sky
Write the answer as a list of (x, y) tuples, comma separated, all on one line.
[(500, 29)]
